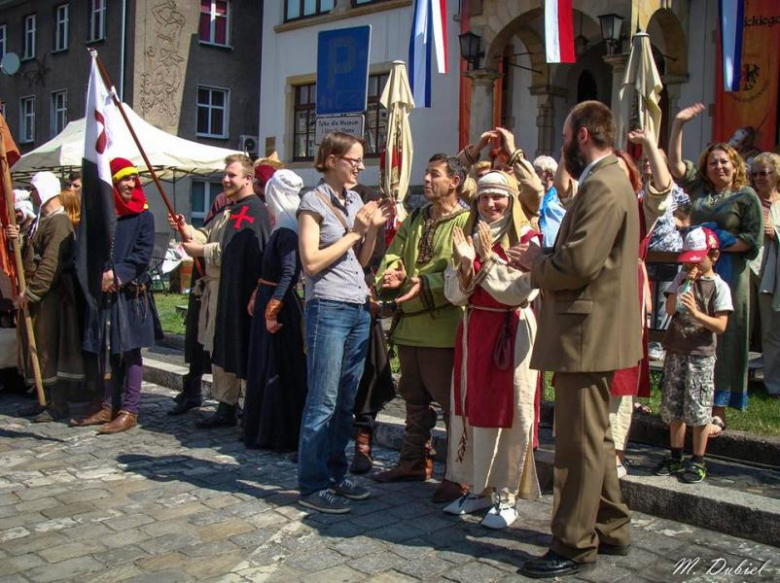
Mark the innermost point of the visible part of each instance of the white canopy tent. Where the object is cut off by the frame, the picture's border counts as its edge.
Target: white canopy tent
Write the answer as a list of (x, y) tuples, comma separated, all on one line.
[(172, 157)]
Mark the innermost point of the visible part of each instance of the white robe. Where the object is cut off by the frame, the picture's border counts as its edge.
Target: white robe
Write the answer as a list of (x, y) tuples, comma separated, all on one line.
[(499, 459)]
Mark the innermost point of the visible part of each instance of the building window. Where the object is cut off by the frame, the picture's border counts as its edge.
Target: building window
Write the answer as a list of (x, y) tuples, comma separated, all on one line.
[(27, 120), (214, 27), (29, 37), (202, 197), (2, 40), (59, 111), (304, 122), (375, 128), (296, 9), (61, 21), (97, 20), (212, 112)]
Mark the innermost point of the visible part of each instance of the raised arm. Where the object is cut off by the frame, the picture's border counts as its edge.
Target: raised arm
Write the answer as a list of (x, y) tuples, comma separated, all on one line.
[(676, 164), (564, 184)]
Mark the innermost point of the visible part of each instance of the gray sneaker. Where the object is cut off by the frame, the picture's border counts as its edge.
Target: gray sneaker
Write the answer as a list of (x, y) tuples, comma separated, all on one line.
[(351, 490), (325, 501)]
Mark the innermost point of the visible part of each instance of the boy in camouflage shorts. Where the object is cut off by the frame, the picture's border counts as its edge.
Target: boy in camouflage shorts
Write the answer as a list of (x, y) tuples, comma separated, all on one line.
[(699, 302)]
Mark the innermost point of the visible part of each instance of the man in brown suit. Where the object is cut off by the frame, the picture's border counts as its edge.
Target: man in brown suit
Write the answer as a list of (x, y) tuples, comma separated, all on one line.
[(589, 327)]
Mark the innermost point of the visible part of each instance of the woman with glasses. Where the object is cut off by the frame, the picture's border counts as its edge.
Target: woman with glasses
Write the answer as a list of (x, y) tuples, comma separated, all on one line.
[(765, 269), (721, 196), (337, 233)]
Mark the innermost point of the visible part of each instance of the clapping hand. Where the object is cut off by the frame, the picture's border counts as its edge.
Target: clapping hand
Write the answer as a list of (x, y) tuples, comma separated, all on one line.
[(523, 255), (485, 241), (463, 246), (394, 278)]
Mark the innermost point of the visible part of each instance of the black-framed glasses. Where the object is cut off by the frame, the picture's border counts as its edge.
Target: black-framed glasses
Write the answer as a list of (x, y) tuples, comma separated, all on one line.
[(354, 162), (762, 173)]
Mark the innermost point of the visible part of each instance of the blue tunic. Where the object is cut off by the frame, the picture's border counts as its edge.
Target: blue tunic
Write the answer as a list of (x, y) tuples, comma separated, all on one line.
[(126, 317)]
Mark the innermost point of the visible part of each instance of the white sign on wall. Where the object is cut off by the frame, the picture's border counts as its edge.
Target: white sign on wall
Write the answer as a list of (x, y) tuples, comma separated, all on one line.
[(349, 124)]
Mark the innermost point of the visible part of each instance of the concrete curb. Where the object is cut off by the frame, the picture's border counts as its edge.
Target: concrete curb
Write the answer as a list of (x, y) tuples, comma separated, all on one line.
[(736, 513), (725, 511), (735, 445)]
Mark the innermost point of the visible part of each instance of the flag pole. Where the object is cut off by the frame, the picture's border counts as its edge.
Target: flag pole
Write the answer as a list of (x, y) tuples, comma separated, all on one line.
[(22, 285), (110, 87)]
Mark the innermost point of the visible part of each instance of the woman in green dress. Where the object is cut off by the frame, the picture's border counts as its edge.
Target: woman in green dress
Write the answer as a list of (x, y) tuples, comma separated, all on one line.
[(720, 194)]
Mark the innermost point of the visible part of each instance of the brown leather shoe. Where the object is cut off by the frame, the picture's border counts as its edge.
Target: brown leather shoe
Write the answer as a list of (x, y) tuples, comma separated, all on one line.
[(99, 418), (124, 421), (448, 491), (407, 471)]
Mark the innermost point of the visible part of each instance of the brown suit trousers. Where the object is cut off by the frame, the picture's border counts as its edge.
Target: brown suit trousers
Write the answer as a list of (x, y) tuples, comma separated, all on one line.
[(588, 506)]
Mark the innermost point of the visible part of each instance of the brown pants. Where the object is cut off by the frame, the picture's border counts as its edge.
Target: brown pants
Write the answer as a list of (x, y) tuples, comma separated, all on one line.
[(426, 376), (588, 506)]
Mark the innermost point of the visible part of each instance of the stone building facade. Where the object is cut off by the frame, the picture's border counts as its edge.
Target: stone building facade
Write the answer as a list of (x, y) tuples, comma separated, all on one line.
[(189, 68)]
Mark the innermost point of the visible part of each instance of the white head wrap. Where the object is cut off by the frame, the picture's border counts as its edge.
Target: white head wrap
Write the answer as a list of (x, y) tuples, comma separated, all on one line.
[(47, 185), (23, 203), (282, 197)]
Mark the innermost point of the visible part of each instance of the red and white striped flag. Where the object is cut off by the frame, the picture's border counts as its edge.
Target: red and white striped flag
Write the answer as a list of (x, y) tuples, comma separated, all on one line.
[(559, 31)]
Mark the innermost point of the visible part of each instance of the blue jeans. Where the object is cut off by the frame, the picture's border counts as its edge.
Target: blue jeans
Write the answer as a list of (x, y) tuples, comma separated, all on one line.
[(337, 340)]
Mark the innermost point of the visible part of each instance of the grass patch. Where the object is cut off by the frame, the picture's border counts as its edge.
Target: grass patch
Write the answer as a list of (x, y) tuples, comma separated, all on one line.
[(762, 416), (171, 320)]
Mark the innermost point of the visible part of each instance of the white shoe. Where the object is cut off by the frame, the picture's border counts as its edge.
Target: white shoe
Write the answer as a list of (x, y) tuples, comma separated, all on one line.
[(467, 504), (621, 471), (500, 516)]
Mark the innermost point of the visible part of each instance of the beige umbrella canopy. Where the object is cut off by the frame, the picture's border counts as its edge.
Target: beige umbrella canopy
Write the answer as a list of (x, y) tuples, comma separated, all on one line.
[(641, 87), (397, 157)]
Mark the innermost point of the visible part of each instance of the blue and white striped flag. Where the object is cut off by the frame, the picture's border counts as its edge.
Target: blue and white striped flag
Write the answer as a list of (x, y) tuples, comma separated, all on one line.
[(732, 23), (429, 37)]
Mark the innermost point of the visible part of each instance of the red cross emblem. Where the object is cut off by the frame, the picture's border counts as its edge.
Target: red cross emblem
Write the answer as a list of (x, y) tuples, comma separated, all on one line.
[(241, 217)]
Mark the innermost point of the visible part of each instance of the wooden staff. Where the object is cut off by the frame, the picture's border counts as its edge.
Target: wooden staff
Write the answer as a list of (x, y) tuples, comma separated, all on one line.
[(22, 285), (110, 87)]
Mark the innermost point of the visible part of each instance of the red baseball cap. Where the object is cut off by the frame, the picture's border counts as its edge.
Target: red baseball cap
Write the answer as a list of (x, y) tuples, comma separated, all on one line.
[(697, 244)]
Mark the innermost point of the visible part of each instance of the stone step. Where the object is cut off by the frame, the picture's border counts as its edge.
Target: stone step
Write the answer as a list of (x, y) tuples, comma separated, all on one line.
[(738, 498)]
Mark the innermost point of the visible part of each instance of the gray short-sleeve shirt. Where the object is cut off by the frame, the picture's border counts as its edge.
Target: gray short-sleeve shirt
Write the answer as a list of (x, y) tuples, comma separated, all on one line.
[(343, 280)]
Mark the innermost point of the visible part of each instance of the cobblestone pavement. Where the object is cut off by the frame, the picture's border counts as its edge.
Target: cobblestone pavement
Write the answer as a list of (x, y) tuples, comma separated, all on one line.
[(169, 503)]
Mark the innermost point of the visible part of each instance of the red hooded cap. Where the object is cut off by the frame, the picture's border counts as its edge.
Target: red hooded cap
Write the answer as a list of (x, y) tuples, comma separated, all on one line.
[(120, 168)]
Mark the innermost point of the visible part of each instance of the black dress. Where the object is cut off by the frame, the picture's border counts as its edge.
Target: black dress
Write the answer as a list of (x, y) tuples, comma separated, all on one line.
[(276, 387)]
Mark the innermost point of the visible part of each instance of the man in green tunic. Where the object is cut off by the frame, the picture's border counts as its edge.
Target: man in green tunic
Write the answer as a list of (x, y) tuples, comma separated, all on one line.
[(424, 327)]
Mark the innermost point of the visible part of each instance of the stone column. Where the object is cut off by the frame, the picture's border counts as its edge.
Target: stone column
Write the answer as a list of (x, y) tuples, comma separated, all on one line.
[(618, 64), (545, 118), (482, 82)]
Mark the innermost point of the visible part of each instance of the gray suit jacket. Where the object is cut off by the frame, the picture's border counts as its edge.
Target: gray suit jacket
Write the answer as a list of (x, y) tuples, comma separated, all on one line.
[(590, 319)]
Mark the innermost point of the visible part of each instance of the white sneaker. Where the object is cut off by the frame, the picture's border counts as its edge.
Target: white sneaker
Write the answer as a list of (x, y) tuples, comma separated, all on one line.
[(500, 516), (467, 504)]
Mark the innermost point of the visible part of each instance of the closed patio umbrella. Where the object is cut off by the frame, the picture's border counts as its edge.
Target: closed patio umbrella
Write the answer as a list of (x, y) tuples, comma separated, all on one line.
[(397, 156), (641, 85)]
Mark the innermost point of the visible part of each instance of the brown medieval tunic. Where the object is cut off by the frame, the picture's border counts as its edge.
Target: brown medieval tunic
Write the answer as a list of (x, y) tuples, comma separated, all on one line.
[(48, 268)]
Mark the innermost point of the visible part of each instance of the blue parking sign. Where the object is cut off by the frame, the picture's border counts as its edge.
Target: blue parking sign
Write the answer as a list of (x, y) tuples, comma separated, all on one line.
[(342, 70)]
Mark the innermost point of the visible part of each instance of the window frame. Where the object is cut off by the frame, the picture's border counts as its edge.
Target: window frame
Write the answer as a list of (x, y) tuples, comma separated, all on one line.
[(61, 44), (226, 115), (100, 13), (28, 50), (212, 28), (3, 39), (372, 107), (318, 11), (55, 111), (23, 138), (358, 4), (197, 217)]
